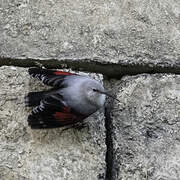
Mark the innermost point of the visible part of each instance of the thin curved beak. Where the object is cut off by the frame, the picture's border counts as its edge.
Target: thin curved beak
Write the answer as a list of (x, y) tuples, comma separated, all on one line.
[(108, 94)]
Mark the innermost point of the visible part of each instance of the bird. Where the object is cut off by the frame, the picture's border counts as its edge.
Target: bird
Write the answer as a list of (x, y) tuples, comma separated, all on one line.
[(71, 99)]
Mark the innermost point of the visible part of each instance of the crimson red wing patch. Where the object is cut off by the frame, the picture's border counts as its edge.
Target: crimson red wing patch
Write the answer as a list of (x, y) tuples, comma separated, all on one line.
[(65, 117), (63, 73)]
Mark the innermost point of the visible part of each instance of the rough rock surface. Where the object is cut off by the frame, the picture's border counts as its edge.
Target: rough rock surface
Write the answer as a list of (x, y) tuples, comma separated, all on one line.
[(115, 38), (130, 31), (44, 154), (145, 127)]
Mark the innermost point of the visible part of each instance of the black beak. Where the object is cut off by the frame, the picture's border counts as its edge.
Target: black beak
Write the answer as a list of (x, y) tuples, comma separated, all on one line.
[(108, 94)]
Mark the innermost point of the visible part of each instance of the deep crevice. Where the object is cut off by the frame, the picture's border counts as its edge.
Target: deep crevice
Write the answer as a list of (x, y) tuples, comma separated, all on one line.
[(111, 170), (109, 146), (111, 70)]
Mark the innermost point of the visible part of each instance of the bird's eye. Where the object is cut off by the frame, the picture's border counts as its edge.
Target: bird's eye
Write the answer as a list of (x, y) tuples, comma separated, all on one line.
[(94, 90)]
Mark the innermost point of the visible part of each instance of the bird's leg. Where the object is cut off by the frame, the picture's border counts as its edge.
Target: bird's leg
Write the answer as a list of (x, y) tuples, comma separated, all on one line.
[(78, 126)]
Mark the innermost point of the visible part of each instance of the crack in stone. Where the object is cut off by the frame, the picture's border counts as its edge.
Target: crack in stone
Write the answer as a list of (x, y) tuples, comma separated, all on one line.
[(111, 167), (111, 70), (109, 145)]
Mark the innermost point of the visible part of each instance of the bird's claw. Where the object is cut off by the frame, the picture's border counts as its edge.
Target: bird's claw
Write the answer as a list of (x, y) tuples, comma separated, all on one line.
[(77, 126)]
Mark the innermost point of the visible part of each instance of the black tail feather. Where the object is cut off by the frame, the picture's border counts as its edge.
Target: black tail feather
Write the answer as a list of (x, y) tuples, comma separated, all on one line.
[(34, 98), (34, 71), (46, 122)]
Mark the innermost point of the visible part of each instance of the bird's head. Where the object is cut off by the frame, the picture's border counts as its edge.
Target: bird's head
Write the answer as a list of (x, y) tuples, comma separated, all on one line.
[(91, 89), (96, 93)]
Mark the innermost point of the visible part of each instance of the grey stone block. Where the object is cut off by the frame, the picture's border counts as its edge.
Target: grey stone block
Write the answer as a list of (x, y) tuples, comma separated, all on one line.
[(145, 127), (45, 154), (115, 31)]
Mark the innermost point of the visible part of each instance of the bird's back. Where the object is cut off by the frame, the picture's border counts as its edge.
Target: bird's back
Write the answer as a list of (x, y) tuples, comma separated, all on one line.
[(73, 94)]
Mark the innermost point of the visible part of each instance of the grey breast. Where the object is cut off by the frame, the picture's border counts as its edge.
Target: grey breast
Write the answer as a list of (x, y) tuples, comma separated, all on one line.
[(74, 96)]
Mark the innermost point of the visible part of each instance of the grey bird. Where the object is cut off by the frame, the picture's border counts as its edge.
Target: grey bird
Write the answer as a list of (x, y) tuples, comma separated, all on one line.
[(72, 99)]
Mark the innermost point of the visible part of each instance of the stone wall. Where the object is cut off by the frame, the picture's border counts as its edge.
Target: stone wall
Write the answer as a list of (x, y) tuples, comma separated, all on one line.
[(132, 47)]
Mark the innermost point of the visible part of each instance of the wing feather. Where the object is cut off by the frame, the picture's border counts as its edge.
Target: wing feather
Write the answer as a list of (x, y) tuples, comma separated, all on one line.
[(52, 113), (50, 77)]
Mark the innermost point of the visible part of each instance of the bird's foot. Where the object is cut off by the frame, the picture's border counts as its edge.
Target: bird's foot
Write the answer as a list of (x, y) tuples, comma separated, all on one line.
[(78, 126)]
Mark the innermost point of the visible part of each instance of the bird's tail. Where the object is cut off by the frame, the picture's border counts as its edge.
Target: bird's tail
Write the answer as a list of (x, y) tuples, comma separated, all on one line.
[(34, 98)]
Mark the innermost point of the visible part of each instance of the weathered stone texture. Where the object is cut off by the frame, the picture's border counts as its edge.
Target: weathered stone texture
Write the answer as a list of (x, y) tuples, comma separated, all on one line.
[(44, 154), (128, 31), (125, 37), (145, 127)]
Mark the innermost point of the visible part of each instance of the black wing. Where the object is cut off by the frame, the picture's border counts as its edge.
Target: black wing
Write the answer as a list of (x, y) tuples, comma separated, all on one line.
[(49, 77), (52, 113)]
